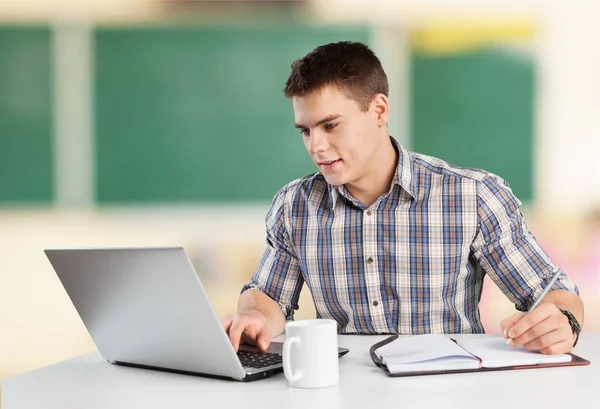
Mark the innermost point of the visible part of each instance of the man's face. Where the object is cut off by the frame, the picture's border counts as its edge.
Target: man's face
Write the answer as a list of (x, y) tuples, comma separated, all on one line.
[(340, 138)]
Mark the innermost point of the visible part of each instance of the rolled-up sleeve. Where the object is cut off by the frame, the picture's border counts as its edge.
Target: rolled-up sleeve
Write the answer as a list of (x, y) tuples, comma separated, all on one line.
[(507, 251), (278, 274)]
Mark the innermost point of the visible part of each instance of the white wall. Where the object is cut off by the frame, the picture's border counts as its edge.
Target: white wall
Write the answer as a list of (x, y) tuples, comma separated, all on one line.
[(49, 10)]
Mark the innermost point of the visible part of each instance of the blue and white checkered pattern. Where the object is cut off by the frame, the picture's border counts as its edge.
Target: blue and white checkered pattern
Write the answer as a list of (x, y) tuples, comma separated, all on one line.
[(411, 263)]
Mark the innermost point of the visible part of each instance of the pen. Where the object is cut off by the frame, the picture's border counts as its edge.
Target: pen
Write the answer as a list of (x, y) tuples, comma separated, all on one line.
[(542, 295)]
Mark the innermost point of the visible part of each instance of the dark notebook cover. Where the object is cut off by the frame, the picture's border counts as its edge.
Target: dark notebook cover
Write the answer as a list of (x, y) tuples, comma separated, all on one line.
[(575, 361)]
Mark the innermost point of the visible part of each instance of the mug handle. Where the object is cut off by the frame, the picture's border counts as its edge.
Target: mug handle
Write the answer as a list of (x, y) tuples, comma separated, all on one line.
[(287, 365)]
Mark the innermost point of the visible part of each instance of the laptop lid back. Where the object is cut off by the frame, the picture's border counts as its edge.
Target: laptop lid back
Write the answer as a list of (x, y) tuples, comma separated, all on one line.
[(146, 306)]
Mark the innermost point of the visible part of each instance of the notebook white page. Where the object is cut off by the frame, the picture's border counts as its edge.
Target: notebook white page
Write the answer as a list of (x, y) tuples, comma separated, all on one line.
[(428, 352), (495, 353)]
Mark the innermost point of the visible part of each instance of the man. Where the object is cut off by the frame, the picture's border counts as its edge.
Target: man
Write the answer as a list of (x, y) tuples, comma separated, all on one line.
[(390, 241)]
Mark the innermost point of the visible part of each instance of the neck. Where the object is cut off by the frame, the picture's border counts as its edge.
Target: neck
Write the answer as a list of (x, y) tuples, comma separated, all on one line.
[(378, 179)]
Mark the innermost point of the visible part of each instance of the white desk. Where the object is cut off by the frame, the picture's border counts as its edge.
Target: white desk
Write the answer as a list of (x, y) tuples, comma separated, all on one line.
[(90, 382)]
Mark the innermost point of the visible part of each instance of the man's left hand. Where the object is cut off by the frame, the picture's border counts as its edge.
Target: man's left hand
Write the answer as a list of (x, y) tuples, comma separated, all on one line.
[(545, 329)]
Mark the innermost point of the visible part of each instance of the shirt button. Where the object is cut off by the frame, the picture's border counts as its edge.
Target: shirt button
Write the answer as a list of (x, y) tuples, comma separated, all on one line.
[(370, 260), (375, 303), (369, 213)]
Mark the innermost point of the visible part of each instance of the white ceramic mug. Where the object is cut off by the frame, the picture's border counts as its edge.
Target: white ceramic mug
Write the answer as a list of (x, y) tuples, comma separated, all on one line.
[(310, 353)]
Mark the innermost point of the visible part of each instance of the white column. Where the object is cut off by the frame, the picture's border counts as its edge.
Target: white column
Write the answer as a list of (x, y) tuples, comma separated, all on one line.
[(391, 44), (73, 124), (567, 168)]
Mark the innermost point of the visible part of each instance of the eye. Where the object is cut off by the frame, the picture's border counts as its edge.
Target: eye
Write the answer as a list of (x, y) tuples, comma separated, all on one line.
[(330, 127), (305, 132)]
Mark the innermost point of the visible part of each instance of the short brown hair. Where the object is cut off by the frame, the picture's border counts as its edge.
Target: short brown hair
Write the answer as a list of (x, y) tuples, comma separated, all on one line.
[(350, 66)]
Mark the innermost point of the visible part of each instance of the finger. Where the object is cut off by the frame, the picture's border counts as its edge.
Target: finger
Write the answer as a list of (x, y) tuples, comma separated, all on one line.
[(249, 335), (226, 322), (534, 333), (509, 322), (235, 333), (257, 333), (264, 338), (530, 319), (560, 348), (546, 341)]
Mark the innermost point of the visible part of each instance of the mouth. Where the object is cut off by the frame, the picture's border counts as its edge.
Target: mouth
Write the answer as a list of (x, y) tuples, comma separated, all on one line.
[(329, 165), (328, 162)]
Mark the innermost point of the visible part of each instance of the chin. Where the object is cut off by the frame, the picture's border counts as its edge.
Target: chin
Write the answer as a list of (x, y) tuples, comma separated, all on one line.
[(335, 180)]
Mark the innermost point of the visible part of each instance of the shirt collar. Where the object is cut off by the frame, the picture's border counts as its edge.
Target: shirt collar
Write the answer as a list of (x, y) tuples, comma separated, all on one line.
[(403, 176)]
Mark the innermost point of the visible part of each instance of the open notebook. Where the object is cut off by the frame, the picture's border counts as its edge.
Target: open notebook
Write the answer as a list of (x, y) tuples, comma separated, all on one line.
[(437, 353)]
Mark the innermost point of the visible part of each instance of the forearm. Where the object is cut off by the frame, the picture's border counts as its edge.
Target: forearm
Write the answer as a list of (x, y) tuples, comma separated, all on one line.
[(254, 302), (566, 300)]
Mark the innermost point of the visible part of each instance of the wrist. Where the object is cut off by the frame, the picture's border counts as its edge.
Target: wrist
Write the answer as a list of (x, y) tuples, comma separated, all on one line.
[(575, 327)]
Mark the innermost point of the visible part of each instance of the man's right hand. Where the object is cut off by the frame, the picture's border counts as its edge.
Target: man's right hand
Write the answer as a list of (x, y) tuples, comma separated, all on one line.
[(248, 328)]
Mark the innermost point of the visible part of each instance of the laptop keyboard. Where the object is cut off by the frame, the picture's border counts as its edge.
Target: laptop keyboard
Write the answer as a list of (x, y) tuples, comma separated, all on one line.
[(252, 359)]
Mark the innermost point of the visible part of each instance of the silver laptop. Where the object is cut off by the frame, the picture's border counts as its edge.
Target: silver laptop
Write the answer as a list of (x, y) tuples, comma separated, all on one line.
[(146, 307)]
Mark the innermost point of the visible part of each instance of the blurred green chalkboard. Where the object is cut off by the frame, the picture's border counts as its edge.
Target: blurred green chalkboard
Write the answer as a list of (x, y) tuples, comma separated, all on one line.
[(25, 115), (475, 109), (197, 114)]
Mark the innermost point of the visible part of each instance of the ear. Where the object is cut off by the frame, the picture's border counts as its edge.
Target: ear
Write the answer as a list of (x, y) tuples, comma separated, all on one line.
[(381, 108)]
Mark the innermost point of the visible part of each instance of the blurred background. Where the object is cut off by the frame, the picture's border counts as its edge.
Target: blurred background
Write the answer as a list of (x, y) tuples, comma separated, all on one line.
[(158, 123)]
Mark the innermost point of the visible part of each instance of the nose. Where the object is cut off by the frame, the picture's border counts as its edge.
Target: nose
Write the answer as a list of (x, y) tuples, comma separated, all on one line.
[(318, 142)]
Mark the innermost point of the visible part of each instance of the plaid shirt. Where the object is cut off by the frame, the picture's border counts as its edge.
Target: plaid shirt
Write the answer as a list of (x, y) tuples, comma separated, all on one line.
[(411, 263)]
